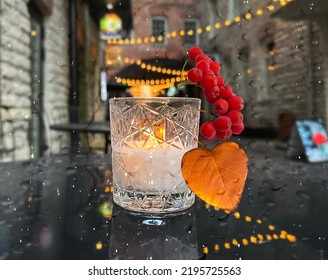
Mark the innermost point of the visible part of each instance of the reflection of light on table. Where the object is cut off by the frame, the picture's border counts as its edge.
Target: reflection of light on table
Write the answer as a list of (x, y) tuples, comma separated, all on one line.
[(257, 238)]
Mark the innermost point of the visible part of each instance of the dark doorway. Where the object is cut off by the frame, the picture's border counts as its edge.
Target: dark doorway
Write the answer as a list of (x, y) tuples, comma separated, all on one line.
[(36, 129)]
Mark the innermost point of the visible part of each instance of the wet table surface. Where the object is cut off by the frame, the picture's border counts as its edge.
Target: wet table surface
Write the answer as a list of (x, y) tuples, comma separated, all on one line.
[(60, 207)]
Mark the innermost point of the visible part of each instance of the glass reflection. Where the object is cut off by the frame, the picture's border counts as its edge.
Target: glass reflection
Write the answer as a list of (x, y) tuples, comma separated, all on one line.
[(135, 237)]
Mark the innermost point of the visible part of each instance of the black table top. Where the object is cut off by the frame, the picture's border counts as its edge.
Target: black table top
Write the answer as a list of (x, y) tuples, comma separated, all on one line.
[(60, 207), (91, 127)]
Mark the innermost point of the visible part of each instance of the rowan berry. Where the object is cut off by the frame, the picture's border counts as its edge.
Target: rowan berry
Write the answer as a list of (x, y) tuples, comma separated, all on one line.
[(211, 94), (220, 106), (203, 66), (235, 116), (208, 131), (224, 135), (194, 51), (222, 123), (238, 128), (235, 102), (226, 91), (194, 75)]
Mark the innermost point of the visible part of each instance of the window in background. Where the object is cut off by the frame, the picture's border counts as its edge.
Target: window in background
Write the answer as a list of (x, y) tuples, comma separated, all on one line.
[(191, 25), (246, 73), (159, 28), (267, 67)]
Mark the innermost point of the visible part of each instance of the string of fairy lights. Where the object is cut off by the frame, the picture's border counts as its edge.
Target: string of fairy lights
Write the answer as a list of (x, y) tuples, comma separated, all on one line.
[(159, 85), (275, 4), (153, 68)]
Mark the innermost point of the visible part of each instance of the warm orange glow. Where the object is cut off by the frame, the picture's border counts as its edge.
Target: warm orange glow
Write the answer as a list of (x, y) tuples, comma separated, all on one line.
[(248, 16), (235, 242), (227, 22), (99, 245), (227, 245), (217, 25), (271, 227), (245, 242), (260, 237), (253, 239), (248, 219), (259, 12), (237, 19), (237, 215), (270, 7), (291, 238)]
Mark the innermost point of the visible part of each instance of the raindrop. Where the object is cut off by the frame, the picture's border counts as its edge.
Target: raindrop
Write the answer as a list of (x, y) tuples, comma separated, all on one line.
[(27, 163), (269, 203), (276, 188), (6, 200), (223, 216), (256, 115), (70, 170), (325, 183), (266, 169), (260, 192), (252, 84), (303, 194), (252, 143), (26, 184), (250, 199), (267, 158)]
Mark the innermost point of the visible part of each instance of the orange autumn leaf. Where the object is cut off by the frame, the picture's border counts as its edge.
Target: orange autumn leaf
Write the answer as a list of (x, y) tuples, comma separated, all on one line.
[(217, 176)]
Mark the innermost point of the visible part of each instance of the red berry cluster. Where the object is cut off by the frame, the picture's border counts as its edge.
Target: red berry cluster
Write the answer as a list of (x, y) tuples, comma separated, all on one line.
[(226, 105)]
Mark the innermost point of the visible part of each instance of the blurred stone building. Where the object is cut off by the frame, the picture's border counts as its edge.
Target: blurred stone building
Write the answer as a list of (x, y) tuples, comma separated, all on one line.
[(155, 35), (34, 79), (35, 73), (274, 55)]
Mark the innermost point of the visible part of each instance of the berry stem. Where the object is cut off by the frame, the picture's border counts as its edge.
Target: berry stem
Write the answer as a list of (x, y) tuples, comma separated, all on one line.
[(208, 112), (184, 66), (200, 143)]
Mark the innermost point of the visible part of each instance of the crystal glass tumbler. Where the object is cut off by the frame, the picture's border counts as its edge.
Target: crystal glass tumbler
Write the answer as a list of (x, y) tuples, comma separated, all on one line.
[(149, 136)]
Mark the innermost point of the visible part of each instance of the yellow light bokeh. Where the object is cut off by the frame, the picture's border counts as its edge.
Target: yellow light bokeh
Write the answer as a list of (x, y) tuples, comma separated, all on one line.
[(248, 16)]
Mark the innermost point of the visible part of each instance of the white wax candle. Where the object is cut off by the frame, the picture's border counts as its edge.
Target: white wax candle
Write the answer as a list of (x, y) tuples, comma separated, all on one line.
[(149, 169)]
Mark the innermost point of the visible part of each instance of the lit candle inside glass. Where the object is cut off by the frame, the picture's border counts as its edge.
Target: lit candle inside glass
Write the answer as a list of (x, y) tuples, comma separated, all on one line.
[(149, 162), (149, 137)]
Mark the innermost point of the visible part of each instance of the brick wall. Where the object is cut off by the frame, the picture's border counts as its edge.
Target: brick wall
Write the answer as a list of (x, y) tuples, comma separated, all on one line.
[(243, 50), (175, 13), (56, 71), (15, 80)]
